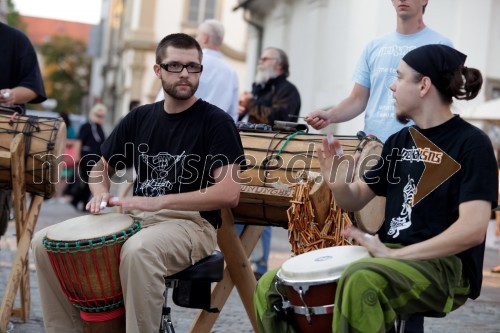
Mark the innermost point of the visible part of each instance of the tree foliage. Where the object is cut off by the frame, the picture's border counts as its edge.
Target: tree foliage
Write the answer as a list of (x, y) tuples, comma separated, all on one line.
[(67, 71), (13, 18)]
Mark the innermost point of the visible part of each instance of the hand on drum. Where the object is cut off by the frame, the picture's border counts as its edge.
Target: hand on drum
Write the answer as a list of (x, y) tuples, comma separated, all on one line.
[(98, 203), (146, 204), (317, 119), (6, 96), (371, 242)]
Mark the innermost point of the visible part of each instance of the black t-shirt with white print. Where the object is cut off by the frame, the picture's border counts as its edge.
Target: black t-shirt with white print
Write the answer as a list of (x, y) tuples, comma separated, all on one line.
[(174, 153), (400, 169)]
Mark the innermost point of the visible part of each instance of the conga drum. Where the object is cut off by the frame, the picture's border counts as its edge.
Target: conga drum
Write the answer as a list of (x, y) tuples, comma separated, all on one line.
[(310, 281), (45, 140), (85, 255)]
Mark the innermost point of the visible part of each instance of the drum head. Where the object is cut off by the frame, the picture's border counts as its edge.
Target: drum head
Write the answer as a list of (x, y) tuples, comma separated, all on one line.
[(321, 265), (89, 227), (371, 217)]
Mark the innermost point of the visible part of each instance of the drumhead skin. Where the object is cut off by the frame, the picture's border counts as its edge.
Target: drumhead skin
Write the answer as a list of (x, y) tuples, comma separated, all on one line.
[(321, 265), (89, 227)]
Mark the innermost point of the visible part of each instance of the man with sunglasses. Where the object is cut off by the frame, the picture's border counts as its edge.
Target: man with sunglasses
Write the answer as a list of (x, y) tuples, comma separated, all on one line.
[(186, 153)]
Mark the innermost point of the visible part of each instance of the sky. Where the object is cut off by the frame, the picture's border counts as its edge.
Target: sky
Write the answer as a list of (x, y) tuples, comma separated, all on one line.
[(84, 11)]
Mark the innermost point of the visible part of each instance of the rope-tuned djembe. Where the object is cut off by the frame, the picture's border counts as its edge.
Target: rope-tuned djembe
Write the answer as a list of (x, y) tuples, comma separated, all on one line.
[(85, 255), (45, 139)]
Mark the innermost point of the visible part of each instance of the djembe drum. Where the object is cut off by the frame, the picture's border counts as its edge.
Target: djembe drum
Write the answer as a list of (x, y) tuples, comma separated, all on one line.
[(85, 255), (310, 284), (45, 140)]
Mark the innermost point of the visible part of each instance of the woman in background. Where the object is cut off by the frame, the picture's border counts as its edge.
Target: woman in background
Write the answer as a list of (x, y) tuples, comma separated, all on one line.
[(89, 142)]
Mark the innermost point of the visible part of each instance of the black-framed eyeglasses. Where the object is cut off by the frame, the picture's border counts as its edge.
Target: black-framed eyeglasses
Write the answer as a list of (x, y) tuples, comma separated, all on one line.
[(176, 67)]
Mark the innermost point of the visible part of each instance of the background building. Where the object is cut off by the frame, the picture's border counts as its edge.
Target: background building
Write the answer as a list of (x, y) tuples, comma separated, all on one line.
[(124, 44), (324, 40)]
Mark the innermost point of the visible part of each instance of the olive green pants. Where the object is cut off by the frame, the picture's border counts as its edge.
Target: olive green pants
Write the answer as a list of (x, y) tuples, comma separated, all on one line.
[(372, 292)]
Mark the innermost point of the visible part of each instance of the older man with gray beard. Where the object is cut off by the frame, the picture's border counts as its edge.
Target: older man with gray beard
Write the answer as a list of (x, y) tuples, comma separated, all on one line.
[(273, 97)]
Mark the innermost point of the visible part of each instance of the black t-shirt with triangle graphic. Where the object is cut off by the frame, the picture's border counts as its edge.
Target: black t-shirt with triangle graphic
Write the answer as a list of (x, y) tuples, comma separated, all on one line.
[(398, 172)]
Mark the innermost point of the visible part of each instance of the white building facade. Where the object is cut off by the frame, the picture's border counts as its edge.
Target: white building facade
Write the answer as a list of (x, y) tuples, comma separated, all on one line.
[(324, 40)]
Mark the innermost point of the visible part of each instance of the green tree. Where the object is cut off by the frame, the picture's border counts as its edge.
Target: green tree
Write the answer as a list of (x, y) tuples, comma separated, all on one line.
[(13, 18), (67, 71)]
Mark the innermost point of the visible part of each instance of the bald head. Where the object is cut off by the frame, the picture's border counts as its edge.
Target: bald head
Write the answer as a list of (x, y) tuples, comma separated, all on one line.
[(210, 34)]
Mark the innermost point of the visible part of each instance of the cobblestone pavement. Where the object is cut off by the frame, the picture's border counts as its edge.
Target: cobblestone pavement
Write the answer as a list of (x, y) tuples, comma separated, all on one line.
[(481, 315)]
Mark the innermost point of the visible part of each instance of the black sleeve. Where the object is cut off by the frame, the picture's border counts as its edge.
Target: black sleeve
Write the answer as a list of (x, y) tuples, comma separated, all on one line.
[(225, 145), (29, 72), (84, 133), (479, 171), (118, 148), (377, 177)]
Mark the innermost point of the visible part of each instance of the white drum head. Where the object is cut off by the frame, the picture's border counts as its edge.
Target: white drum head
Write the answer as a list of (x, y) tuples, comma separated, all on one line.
[(89, 227), (321, 265)]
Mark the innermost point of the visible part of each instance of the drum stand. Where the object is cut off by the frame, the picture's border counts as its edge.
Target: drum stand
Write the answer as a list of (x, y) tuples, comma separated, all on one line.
[(236, 273), (25, 225)]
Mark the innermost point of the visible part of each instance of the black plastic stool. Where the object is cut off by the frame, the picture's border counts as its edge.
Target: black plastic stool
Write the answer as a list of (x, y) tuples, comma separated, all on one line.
[(192, 287)]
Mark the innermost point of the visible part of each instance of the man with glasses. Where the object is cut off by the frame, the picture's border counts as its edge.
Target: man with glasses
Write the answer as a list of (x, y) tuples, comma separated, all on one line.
[(273, 98), (186, 153), (219, 83)]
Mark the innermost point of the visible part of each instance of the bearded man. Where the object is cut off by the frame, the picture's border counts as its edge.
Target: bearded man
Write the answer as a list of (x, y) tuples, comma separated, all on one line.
[(273, 97)]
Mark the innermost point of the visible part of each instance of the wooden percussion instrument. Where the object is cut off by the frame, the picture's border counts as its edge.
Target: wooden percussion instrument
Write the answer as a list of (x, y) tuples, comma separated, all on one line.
[(85, 255), (45, 142), (275, 163)]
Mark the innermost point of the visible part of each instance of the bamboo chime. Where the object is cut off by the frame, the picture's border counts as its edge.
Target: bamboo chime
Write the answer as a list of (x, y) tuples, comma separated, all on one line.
[(307, 235)]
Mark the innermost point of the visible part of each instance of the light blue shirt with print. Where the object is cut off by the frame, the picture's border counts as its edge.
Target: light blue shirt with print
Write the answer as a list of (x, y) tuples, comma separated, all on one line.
[(376, 70)]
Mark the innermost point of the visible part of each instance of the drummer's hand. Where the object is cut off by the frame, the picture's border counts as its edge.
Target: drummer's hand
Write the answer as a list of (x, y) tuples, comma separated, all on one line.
[(371, 242), (329, 155), (146, 204), (7, 96), (98, 203), (317, 119)]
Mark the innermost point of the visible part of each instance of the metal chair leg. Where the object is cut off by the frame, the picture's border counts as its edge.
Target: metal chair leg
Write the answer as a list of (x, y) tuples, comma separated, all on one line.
[(166, 325)]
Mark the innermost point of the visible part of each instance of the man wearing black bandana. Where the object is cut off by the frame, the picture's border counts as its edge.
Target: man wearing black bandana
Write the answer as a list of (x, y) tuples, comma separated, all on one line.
[(428, 255)]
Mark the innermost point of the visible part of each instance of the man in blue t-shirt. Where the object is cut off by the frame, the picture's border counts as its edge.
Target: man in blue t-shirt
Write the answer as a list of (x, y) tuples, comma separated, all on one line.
[(376, 70)]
